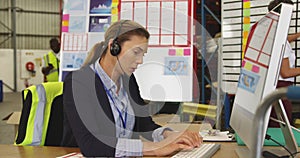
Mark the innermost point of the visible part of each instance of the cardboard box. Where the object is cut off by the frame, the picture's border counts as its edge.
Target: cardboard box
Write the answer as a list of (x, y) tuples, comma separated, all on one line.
[(13, 119)]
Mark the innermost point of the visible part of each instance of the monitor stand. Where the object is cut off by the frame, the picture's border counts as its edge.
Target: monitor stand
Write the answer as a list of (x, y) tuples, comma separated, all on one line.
[(291, 145), (289, 138), (243, 152)]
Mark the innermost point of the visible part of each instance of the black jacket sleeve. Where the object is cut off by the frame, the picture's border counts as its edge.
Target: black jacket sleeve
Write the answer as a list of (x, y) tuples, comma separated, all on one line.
[(144, 124), (93, 129)]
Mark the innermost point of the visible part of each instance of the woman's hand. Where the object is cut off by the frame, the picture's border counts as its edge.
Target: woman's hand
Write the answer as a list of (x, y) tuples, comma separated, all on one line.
[(190, 138), (175, 141)]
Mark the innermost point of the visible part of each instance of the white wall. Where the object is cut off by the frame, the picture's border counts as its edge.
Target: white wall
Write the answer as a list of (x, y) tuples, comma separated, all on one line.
[(23, 56)]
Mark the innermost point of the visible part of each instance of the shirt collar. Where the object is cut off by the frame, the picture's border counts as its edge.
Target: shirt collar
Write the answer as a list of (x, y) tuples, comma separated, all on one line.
[(107, 81)]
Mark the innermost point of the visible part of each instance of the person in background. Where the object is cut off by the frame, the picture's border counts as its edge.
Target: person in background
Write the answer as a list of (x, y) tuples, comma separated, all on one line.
[(288, 71), (104, 113), (50, 67)]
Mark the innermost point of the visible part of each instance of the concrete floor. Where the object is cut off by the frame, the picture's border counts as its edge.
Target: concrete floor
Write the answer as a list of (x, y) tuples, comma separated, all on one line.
[(11, 102)]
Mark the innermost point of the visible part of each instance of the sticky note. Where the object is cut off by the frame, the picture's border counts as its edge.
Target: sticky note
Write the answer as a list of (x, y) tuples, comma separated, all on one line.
[(255, 69), (246, 4), (66, 17), (248, 66), (246, 12), (244, 40), (243, 63), (114, 10), (244, 47), (65, 23), (114, 18), (179, 52), (245, 34), (246, 20), (114, 4), (186, 52), (246, 27), (172, 52), (65, 29)]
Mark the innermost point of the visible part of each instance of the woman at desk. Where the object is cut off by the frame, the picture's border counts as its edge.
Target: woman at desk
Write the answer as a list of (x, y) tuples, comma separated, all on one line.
[(104, 113), (288, 71)]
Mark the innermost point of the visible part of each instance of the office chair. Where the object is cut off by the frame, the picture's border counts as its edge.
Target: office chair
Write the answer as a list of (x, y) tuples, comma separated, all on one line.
[(41, 121)]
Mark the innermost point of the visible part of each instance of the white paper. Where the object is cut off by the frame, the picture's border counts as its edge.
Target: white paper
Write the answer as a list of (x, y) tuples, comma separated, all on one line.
[(220, 136)]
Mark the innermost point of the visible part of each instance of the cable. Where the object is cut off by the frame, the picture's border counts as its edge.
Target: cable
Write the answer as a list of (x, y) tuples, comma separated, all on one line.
[(295, 153), (120, 65), (268, 137), (283, 123)]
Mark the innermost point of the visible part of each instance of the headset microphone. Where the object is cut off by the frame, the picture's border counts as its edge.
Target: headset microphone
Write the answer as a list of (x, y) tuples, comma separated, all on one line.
[(115, 47), (120, 65)]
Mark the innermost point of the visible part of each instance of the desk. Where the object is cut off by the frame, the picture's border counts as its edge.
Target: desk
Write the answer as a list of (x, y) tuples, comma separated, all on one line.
[(11, 151)]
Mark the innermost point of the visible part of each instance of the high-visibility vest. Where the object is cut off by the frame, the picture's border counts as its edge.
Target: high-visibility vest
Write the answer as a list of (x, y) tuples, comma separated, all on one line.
[(35, 115), (50, 58)]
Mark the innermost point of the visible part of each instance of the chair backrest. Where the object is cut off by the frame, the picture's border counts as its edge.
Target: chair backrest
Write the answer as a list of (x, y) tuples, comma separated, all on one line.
[(41, 121)]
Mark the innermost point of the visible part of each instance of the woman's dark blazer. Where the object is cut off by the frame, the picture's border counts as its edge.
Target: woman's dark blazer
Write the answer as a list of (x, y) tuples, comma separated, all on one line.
[(88, 118)]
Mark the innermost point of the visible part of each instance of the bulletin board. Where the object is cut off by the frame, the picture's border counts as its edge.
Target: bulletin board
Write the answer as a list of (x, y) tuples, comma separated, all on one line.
[(167, 71)]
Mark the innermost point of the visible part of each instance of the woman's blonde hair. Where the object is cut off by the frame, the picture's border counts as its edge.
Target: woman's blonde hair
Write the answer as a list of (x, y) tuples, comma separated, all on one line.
[(121, 31)]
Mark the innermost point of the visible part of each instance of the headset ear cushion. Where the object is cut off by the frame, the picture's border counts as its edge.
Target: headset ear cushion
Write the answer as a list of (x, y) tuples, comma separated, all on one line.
[(115, 48)]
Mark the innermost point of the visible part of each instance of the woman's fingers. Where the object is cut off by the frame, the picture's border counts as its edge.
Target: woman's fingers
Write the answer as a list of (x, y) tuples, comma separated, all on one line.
[(190, 138)]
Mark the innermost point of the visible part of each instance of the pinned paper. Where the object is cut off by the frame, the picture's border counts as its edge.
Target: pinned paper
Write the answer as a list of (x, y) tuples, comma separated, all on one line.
[(246, 4), (186, 52), (172, 52), (246, 20), (65, 29), (66, 17), (65, 23), (243, 63), (114, 10), (114, 18), (248, 66), (179, 52), (255, 69), (246, 27), (246, 12)]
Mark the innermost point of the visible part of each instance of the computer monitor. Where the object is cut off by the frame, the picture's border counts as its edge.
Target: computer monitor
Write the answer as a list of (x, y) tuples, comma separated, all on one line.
[(259, 75)]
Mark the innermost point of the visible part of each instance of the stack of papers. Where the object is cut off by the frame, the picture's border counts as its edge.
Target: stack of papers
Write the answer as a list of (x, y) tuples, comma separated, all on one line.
[(216, 136)]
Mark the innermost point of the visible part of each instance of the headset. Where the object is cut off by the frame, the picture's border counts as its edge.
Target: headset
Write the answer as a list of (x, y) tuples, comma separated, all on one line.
[(115, 47)]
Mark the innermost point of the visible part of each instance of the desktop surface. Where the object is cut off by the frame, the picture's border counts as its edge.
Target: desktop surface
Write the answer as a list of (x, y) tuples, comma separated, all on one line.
[(227, 149), (11, 151)]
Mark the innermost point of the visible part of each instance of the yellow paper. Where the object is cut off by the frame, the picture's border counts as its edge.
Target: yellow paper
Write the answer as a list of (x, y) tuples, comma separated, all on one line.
[(65, 23), (248, 66), (246, 4), (114, 18), (179, 52)]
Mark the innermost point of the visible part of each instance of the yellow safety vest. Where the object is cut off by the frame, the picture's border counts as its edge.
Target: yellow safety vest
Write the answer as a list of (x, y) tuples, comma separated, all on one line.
[(39, 113), (50, 58)]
